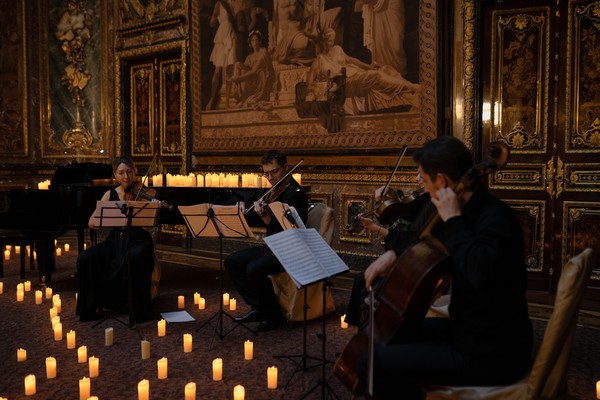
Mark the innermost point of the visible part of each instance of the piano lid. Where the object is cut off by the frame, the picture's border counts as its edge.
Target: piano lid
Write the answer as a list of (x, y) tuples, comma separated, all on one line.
[(81, 173)]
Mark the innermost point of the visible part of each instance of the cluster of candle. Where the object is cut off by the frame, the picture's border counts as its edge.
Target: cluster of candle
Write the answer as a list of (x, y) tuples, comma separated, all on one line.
[(8, 248), (249, 180), (44, 185)]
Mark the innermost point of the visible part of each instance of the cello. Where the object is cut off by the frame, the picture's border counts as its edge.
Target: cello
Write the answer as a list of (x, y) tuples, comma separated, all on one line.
[(415, 279)]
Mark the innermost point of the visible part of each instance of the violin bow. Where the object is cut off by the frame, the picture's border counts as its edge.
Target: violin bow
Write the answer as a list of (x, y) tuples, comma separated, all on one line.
[(387, 185), (145, 177)]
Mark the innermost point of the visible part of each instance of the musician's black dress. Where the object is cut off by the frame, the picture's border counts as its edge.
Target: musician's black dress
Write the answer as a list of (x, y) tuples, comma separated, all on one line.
[(102, 272)]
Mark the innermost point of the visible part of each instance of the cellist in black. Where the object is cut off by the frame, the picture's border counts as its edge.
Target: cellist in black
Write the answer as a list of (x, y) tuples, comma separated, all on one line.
[(487, 339)]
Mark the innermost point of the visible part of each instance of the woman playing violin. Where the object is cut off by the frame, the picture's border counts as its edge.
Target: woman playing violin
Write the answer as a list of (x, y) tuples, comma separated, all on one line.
[(487, 338), (250, 268), (102, 269)]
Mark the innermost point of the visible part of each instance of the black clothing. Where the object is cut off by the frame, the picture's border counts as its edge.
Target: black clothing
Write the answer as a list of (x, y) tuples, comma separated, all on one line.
[(102, 272), (250, 268)]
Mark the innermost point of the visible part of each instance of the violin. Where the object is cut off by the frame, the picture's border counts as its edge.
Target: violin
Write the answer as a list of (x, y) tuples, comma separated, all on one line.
[(137, 191)]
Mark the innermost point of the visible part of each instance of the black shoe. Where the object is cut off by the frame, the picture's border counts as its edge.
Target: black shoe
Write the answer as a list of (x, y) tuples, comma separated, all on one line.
[(268, 325), (251, 316)]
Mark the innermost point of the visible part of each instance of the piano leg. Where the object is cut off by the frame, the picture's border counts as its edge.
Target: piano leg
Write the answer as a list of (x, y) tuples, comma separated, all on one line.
[(45, 258)]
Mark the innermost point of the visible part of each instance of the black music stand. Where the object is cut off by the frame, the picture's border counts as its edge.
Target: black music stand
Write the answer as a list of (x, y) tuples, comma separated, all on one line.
[(207, 220), (308, 259), (125, 214)]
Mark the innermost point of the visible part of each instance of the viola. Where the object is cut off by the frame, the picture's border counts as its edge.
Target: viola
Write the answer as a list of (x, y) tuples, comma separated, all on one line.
[(137, 191)]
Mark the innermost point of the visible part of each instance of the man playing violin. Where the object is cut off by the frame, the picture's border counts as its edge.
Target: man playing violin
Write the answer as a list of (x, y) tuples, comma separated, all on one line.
[(250, 268), (102, 269), (487, 339)]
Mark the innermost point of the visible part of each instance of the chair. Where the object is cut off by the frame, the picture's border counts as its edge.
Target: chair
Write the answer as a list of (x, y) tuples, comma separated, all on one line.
[(291, 299), (547, 376)]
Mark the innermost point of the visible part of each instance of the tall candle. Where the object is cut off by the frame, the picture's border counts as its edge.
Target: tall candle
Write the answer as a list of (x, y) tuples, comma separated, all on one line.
[(57, 302), (50, 367), (196, 298), (82, 354), (84, 388), (598, 390), (1, 287), (180, 302), (162, 327), (190, 391), (17, 249), (21, 287), (239, 392), (145, 349), (187, 343), (272, 377), (20, 295), (58, 254), (201, 303), (71, 339), (27, 286), (55, 320), (217, 367), (248, 350), (7, 255), (58, 332), (94, 366), (109, 336), (163, 367), (30, 385), (53, 312), (48, 292), (343, 322), (144, 390), (233, 304), (21, 355), (38, 297), (67, 247), (225, 299)]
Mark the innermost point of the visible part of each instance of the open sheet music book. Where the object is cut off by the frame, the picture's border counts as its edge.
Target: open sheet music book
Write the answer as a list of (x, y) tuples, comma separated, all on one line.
[(285, 214), (211, 220), (305, 255), (125, 213)]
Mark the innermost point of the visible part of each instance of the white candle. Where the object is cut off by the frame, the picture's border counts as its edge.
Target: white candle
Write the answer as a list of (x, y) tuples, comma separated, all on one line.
[(48, 292), (145, 349), (163, 366), (30, 385), (58, 332), (180, 302), (201, 303), (7, 255), (196, 298), (71, 338), (17, 249), (162, 327), (53, 312), (20, 295), (21, 355), (232, 304), (217, 367), (109, 336), (84, 388), (58, 254), (21, 287), (1, 287), (82, 354), (38, 297), (67, 247), (190, 391), (50, 367), (272, 377), (598, 390), (225, 299), (239, 392), (28, 250), (94, 366), (27, 286), (144, 390), (187, 343), (248, 350), (343, 322), (55, 320)]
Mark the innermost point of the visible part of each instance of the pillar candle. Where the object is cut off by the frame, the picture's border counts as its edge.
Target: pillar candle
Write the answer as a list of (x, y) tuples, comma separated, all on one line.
[(109, 336), (144, 390), (21, 355), (82, 354), (598, 390), (7, 255), (27, 286), (71, 338), (163, 367), (28, 250), (17, 249), (1, 287), (50, 367), (272, 377), (343, 322), (55, 320), (94, 366), (84, 388), (225, 299), (48, 292), (58, 332), (187, 343), (217, 366), (162, 327), (67, 247), (232, 304), (196, 298), (20, 295), (201, 303), (53, 312), (30, 385), (248, 350), (58, 254), (145, 349), (190, 391), (239, 392), (180, 302), (38, 297), (20, 287)]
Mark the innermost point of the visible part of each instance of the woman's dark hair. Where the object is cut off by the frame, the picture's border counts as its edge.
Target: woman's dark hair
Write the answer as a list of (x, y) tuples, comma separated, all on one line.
[(122, 160), (274, 155), (446, 155)]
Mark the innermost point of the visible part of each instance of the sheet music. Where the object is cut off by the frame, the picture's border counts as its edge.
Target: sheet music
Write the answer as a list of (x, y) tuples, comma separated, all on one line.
[(279, 211), (211, 220), (305, 255), (125, 213)]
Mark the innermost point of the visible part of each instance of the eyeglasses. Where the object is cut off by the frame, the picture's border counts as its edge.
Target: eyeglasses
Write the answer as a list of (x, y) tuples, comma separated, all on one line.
[(272, 172)]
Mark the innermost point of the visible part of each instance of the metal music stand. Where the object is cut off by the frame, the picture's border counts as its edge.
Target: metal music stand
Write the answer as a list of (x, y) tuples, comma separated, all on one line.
[(125, 214), (207, 220)]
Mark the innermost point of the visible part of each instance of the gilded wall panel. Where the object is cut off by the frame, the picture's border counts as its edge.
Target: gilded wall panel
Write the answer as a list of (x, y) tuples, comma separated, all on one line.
[(520, 79), (582, 177), (517, 176), (351, 205), (172, 108), (142, 108), (530, 214), (583, 64), (580, 223)]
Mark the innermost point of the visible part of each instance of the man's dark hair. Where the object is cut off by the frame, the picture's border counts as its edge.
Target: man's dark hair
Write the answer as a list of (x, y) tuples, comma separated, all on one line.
[(122, 160), (274, 155), (446, 155)]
